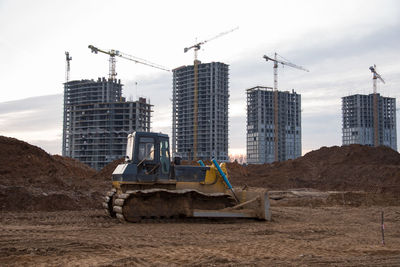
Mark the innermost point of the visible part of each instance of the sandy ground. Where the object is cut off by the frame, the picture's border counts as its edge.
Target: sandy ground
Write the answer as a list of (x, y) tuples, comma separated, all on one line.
[(338, 236)]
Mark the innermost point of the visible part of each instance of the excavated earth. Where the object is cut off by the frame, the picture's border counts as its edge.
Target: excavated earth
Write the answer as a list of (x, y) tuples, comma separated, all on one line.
[(31, 179), (326, 210), (353, 167)]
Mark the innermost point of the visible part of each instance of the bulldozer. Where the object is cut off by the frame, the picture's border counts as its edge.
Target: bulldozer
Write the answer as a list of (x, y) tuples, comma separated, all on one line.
[(148, 185)]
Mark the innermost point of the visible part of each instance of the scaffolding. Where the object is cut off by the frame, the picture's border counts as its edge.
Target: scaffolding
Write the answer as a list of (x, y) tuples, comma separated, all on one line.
[(212, 112), (97, 120), (369, 120), (262, 115)]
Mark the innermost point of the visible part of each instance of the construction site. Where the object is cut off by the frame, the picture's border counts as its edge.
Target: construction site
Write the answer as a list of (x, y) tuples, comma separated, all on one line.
[(51, 213), (122, 194)]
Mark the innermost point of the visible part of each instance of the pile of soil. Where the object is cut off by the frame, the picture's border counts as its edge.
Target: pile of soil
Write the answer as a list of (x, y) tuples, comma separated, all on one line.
[(353, 167), (31, 179)]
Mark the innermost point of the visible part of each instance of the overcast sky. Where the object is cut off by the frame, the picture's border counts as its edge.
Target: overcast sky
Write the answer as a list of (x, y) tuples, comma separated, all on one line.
[(336, 40)]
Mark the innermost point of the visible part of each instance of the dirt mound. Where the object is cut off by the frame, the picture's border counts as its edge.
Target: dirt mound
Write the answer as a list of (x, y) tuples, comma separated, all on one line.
[(353, 167), (18, 198), (31, 179)]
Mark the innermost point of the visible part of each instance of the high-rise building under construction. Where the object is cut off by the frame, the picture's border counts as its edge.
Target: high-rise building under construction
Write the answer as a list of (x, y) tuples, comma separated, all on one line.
[(268, 139), (97, 121), (358, 120), (212, 111)]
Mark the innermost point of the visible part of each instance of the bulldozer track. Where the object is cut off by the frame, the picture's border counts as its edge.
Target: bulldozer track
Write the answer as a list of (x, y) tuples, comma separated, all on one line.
[(108, 203), (164, 206)]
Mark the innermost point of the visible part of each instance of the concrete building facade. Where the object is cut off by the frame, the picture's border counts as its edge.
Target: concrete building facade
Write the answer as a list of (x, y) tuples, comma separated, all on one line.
[(212, 115), (358, 120), (261, 124), (97, 121)]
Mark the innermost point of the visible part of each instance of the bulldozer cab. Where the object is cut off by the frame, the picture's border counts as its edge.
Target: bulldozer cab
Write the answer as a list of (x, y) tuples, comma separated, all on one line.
[(148, 160), (149, 153)]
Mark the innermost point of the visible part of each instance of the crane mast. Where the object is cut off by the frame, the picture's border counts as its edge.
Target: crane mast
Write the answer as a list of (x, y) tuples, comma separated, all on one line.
[(275, 72), (375, 77), (196, 47), (112, 60), (66, 118), (67, 66), (276, 98)]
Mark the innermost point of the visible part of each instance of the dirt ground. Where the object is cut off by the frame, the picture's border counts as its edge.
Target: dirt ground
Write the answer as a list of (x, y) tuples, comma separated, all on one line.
[(326, 210), (337, 236)]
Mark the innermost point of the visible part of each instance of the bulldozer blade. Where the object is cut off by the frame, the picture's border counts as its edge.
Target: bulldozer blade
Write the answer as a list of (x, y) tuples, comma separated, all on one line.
[(224, 214)]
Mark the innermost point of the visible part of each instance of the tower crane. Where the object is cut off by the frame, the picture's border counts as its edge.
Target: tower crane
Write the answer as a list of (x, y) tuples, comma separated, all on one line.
[(284, 63), (276, 124), (66, 114), (196, 47), (113, 53), (375, 77), (67, 66)]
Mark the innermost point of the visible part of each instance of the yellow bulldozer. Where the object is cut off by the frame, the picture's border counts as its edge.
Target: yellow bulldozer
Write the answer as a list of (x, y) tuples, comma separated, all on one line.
[(149, 185)]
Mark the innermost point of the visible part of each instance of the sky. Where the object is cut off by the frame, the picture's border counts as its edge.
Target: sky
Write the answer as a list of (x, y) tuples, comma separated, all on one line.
[(336, 40)]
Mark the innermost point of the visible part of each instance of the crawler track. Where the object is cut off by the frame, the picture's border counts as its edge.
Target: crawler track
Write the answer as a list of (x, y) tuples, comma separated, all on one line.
[(108, 203), (166, 205)]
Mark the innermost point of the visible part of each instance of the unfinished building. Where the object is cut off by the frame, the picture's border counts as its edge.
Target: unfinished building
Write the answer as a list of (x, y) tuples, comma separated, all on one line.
[(358, 120), (269, 140), (97, 120), (212, 112)]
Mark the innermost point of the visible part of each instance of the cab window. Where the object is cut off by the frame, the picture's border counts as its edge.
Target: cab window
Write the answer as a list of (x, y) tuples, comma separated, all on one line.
[(146, 149), (164, 156), (130, 147)]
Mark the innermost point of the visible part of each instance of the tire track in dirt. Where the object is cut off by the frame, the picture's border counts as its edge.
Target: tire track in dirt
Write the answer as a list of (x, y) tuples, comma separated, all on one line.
[(296, 236)]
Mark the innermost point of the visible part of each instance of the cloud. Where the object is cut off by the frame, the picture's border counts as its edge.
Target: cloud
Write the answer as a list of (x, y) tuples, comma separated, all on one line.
[(339, 66), (237, 134), (321, 130), (338, 63), (30, 114), (37, 120)]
